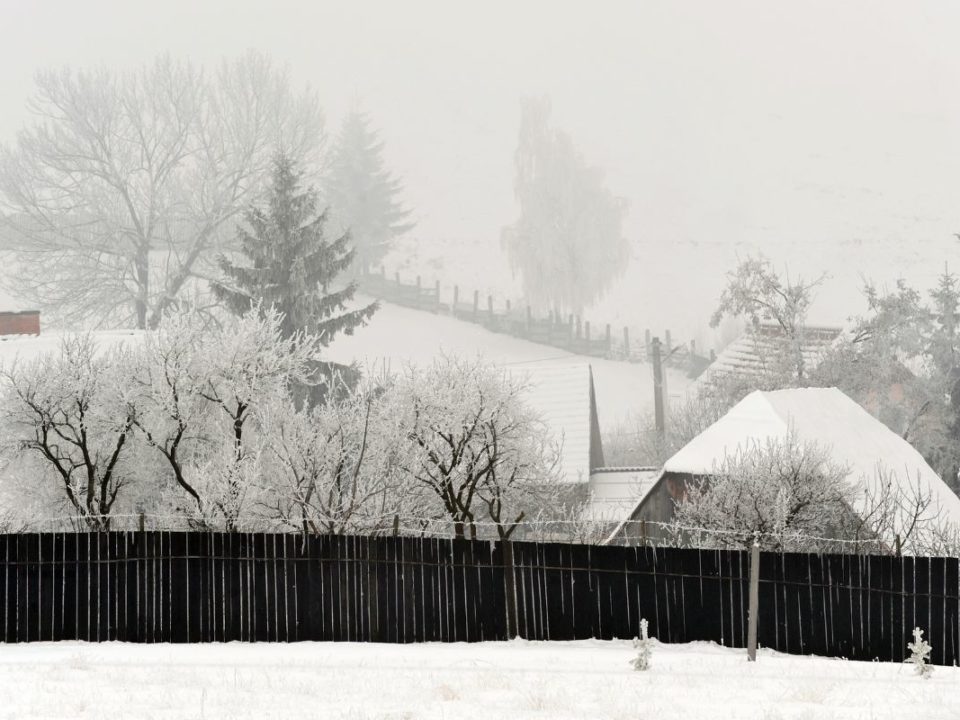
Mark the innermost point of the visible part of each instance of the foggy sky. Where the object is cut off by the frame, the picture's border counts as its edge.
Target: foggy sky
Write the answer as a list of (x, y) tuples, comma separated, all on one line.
[(733, 122)]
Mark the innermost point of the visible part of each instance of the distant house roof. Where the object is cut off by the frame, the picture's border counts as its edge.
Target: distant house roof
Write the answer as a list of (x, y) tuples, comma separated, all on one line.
[(615, 492), (829, 418), (754, 351), (562, 395)]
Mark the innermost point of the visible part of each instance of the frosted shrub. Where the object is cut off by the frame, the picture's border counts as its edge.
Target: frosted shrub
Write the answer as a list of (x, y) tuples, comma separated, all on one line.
[(920, 654), (644, 647)]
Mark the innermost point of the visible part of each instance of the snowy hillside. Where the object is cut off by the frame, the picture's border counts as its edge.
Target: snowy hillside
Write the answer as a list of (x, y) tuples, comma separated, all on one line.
[(397, 335)]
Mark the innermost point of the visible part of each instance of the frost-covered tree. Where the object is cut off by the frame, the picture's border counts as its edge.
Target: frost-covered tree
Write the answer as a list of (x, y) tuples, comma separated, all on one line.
[(65, 425), (472, 443), (568, 243), (920, 654), (756, 292), (784, 491), (291, 265), (118, 194), (196, 391), (332, 468), (363, 194)]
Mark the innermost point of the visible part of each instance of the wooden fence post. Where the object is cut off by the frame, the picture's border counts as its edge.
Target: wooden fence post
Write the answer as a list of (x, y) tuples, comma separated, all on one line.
[(529, 319), (456, 299), (626, 342), (579, 327), (509, 589), (476, 304), (586, 332), (608, 337), (754, 599)]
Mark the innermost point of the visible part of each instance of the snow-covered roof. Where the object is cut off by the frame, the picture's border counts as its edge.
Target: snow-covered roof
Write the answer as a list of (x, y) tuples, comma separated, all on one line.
[(824, 416), (28, 347), (615, 492), (560, 394), (752, 352)]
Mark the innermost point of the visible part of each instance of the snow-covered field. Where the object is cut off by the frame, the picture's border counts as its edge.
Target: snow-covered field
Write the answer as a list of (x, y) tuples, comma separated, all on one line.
[(517, 680)]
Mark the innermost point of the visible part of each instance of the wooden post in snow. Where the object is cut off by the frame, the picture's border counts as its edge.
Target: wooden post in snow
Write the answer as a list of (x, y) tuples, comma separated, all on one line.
[(510, 589), (754, 599)]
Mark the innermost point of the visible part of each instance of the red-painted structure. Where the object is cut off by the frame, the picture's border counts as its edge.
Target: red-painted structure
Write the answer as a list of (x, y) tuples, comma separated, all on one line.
[(26, 322)]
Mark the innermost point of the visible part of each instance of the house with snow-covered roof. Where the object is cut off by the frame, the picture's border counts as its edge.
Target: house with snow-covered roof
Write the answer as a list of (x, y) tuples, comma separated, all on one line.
[(758, 350), (564, 397), (853, 438)]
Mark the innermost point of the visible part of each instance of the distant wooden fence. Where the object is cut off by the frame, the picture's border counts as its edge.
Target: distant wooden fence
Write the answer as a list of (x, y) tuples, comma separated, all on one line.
[(203, 587), (568, 333)]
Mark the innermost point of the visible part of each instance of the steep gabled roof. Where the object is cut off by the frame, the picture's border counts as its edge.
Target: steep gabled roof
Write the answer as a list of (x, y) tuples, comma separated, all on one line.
[(562, 395), (829, 418)]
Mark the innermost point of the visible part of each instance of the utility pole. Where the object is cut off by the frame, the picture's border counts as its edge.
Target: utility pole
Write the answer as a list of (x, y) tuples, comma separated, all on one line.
[(658, 405)]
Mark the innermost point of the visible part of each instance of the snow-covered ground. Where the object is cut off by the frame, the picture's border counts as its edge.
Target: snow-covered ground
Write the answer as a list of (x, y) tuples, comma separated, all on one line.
[(516, 680)]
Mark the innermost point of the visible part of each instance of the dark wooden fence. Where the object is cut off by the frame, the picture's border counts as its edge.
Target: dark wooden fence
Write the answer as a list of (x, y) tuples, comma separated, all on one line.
[(202, 587)]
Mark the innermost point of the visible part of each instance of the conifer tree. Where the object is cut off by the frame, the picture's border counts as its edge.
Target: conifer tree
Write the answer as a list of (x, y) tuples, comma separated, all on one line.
[(292, 265), (363, 194)]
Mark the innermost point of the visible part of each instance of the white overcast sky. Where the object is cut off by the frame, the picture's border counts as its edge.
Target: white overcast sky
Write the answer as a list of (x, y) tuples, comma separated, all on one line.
[(726, 121)]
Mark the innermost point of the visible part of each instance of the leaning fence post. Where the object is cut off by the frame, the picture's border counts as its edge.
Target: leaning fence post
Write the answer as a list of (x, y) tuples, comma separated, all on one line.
[(754, 599)]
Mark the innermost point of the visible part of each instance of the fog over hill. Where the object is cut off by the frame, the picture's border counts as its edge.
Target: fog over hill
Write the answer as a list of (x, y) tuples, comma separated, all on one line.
[(823, 134)]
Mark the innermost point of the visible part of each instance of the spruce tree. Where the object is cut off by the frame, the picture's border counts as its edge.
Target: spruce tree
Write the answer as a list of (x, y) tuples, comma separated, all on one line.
[(363, 194), (291, 265)]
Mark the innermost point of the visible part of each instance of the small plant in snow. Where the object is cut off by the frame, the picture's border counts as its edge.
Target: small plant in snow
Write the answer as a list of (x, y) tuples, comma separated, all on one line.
[(920, 654), (644, 647)]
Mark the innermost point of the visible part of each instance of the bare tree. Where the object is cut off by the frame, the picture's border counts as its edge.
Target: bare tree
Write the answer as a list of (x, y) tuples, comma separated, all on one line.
[(118, 193), (784, 492), (472, 442), (62, 413)]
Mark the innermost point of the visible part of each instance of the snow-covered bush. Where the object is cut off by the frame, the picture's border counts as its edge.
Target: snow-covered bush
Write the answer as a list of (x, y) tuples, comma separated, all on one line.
[(644, 648), (920, 654), (333, 468)]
